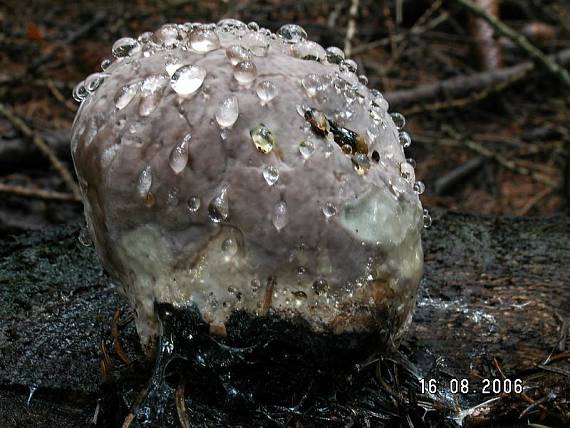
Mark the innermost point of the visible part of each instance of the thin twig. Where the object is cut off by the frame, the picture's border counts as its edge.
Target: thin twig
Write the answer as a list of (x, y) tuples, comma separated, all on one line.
[(128, 420), (464, 101), (556, 370), (523, 395), (181, 406), (458, 175), (538, 403), (535, 200), (509, 163), (116, 341), (488, 153), (520, 40), (30, 192), (351, 27), (104, 362), (43, 147), (436, 5), (59, 96), (557, 357), (460, 89), (416, 29), (498, 367), (271, 282)]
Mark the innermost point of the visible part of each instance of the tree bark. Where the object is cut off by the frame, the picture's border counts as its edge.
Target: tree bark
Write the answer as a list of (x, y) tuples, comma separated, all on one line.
[(494, 301)]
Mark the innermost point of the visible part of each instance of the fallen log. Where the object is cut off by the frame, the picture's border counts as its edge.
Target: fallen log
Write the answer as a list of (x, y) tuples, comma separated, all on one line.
[(464, 86), (494, 304)]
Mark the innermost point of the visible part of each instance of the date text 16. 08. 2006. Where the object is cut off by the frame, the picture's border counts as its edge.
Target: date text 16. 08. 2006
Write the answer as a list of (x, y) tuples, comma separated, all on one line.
[(464, 386)]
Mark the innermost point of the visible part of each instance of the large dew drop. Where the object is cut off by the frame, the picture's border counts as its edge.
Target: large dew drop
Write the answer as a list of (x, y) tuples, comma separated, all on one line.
[(231, 25), (245, 72), (144, 181), (399, 120), (334, 55), (179, 155), (292, 33), (309, 50), (167, 35), (306, 148), (419, 187), (329, 210), (124, 47), (253, 26), (361, 163), (348, 65), (204, 40), (80, 92), (237, 54), (263, 138), (219, 209), (266, 90), (229, 248), (193, 204), (311, 82), (407, 172), (271, 174), (187, 79), (93, 81), (427, 218), (106, 63), (257, 42), (151, 94), (280, 215), (227, 112), (126, 94), (405, 139)]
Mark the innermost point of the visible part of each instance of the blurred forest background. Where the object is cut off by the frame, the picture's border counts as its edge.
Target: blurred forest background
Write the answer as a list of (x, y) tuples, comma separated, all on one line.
[(486, 105)]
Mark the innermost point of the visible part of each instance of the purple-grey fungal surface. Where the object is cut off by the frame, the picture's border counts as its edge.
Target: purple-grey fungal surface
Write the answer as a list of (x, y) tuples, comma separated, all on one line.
[(228, 167)]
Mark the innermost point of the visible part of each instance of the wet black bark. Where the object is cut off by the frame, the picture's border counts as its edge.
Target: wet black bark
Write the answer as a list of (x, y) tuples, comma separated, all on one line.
[(496, 294)]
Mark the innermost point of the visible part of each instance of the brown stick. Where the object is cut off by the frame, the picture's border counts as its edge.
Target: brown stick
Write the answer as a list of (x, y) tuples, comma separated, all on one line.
[(487, 48), (38, 193), (268, 296), (60, 97), (116, 341), (414, 31), (128, 420), (181, 406), (44, 148), (508, 163), (558, 357), (460, 86), (520, 40), (535, 200), (458, 175), (104, 362)]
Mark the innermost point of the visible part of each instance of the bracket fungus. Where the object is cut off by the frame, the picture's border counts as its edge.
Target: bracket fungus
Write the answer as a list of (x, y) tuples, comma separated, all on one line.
[(233, 169)]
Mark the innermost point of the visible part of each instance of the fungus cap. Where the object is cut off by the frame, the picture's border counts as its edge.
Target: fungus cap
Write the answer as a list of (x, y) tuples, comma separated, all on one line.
[(228, 167)]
